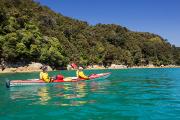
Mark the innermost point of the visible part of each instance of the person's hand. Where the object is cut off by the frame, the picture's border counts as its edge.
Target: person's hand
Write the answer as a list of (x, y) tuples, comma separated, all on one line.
[(51, 79)]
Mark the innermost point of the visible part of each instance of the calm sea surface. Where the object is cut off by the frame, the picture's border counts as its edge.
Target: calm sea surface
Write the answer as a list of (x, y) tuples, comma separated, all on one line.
[(129, 94)]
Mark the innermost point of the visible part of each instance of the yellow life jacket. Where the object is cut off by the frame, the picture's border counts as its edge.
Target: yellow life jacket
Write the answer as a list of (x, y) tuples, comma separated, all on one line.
[(80, 74), (44, 76)]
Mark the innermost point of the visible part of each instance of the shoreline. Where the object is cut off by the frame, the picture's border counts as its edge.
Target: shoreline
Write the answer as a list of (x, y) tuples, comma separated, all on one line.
[(12, 70)]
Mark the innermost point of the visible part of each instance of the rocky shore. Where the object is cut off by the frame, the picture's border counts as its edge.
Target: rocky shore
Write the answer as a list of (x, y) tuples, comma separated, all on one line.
[(35, 67), (115, 66)]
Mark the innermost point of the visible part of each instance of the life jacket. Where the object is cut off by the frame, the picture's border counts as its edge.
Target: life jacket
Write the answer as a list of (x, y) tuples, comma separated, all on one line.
[(59, 77), (44, 76), (80, 74)]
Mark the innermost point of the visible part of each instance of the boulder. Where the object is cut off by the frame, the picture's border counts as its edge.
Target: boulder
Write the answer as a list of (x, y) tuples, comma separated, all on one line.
[(114, 66)]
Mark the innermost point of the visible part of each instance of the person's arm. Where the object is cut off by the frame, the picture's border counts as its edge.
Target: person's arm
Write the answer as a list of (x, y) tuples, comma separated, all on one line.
[(41, 75), (77, 73)]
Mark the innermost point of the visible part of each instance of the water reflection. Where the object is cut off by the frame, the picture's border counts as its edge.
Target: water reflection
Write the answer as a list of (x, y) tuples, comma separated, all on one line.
[(73, 94), (67, 94), (23, 93), (44, 95)]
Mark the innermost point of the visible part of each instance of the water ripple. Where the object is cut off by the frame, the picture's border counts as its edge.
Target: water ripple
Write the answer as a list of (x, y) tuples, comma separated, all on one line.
[(127, 94)]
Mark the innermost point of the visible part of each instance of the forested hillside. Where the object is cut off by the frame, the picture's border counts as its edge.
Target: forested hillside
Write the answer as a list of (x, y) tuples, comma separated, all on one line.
[(30, 32)]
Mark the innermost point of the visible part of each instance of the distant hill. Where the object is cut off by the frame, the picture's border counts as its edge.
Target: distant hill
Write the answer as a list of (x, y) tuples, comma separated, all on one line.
[(32, 32)]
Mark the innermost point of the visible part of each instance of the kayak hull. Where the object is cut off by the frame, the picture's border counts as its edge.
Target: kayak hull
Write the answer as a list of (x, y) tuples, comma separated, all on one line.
[(41, 82)]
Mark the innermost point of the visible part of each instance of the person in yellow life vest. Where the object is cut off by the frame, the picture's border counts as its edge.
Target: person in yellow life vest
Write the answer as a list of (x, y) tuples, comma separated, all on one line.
[(44, 75), (80, 74)]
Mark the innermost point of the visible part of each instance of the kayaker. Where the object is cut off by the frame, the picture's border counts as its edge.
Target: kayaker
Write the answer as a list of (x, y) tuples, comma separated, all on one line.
[(80, 74), (44, 75)]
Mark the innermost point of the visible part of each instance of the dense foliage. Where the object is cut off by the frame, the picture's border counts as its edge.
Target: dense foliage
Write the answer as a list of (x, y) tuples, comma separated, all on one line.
[(31, 32)]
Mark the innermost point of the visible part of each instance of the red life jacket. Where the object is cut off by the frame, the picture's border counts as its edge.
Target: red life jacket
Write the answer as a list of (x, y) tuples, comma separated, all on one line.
[(59, 77)]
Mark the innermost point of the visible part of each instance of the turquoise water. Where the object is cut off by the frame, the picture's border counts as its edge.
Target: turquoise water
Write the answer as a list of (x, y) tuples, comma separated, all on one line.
[(129, 94)]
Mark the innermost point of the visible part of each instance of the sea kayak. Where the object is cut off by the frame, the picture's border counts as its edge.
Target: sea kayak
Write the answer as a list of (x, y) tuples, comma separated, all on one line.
[(41, 82)]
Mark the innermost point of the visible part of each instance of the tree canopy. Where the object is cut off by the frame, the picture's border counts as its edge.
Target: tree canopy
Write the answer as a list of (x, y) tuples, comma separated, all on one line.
[(32, 32)]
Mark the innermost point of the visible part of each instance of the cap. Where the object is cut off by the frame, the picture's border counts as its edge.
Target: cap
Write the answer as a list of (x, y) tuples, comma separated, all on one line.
[(80, 68)]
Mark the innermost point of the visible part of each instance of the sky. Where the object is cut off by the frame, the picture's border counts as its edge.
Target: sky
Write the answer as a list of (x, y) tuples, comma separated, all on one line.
[(161, 17)]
